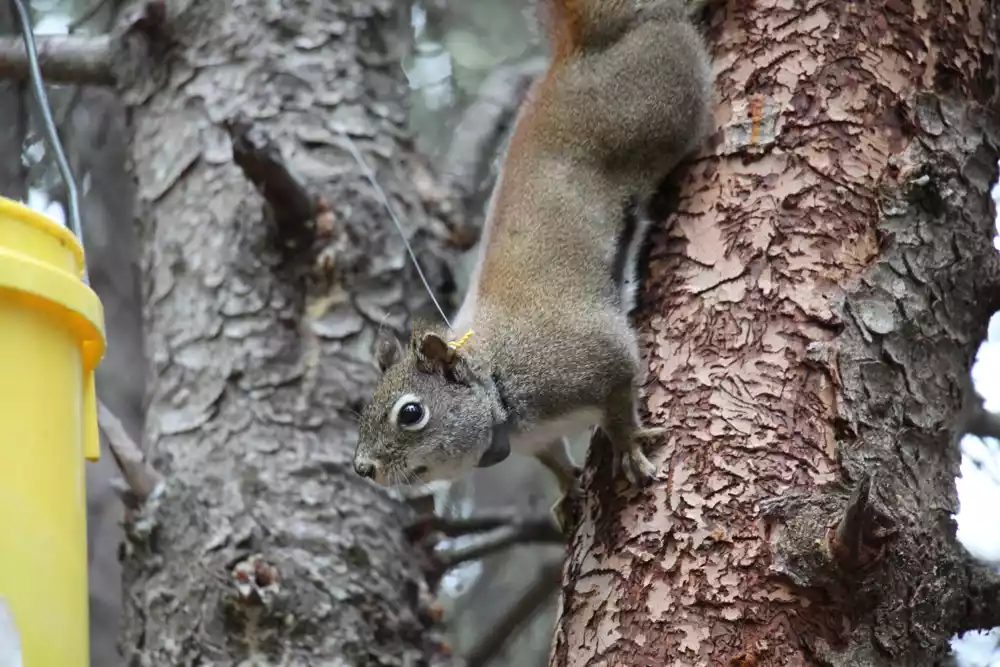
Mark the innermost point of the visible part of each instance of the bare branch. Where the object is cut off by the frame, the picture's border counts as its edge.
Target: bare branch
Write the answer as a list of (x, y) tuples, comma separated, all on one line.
[(456, 527), (465, 169), (484, 122), (62, 58), (140, 477), (501, 530), (544, 586), (974, 418), (263, 165), (542, 529), (983, 423)]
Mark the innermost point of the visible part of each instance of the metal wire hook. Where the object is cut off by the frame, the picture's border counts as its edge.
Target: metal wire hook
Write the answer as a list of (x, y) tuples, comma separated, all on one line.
[(52, 134)]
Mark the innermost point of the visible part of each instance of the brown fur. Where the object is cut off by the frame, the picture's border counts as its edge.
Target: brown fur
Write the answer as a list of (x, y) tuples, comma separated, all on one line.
[(625, 98)]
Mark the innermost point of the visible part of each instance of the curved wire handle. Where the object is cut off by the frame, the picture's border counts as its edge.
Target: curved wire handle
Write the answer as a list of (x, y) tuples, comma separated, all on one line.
[(38, 87)]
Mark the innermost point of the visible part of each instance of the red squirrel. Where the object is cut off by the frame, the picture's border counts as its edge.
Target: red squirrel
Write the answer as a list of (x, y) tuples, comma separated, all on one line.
[(542, 347)]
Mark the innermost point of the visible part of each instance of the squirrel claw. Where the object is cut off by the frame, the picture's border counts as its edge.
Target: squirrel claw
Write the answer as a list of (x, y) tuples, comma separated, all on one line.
[(564, 514), (650, 433), (564, 510), (632, 462), (638, 470)]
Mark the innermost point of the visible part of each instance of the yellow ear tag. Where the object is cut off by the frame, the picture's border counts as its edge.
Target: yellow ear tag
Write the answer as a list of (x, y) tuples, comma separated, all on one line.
[(455, 344)]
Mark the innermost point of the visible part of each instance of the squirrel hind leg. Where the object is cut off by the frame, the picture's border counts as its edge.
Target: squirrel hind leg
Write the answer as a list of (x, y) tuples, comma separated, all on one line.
[(622, 426), (556, 456)]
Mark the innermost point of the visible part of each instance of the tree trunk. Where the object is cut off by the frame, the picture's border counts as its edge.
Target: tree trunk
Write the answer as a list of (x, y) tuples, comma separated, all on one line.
[(810, 318), (261, 352)]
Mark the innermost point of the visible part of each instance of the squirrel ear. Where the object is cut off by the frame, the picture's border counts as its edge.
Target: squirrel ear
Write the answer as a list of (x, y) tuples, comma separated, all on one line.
[(388, 351), (434, 355), (431, 347)]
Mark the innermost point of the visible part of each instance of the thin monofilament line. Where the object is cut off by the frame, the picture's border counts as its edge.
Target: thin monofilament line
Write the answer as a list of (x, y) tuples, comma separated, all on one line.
[(370, 175)]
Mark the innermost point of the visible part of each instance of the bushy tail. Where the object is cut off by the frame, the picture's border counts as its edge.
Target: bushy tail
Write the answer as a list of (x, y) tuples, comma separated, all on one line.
[(581, 25)]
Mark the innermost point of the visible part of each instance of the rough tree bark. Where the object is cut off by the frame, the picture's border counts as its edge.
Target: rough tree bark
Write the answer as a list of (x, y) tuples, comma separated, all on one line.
[(809, 319), (259, 327)]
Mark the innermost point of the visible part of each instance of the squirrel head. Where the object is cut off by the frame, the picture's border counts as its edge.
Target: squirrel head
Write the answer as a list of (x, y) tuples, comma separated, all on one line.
[(432, 416)]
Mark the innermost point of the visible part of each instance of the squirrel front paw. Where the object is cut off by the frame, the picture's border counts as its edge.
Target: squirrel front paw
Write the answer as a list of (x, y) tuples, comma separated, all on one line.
[(564, 510), (649, 433), (564, 513), (632, 462), (638, 470)]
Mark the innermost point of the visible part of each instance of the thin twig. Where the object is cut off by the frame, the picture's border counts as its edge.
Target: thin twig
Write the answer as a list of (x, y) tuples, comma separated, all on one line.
[(458, 526), (62, 59), (527, 532), (540, 591), (141, 478)]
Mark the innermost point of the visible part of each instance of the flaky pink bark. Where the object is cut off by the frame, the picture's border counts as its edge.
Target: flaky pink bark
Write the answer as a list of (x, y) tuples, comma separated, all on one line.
[(808, 318)]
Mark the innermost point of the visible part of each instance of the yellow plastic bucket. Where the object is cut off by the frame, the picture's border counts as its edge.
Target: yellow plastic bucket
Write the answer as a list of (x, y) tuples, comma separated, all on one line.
[(51, 340)]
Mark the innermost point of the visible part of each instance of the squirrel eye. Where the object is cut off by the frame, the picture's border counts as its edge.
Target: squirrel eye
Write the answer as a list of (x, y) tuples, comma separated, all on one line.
[(409, 413)]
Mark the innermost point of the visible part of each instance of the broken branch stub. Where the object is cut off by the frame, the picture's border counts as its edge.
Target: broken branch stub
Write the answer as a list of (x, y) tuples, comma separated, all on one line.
[(857, 541), (260, 158), (141, 478), (62, 59)]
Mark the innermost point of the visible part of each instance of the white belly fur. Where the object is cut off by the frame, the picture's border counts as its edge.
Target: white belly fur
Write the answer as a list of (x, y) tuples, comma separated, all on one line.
[(533, 439)]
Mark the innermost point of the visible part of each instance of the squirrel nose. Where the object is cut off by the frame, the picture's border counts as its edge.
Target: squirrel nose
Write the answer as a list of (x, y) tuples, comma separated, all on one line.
[(365, 469)]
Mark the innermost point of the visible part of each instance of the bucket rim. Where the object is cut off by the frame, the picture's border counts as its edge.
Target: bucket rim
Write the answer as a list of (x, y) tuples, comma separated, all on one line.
[(18, 211)]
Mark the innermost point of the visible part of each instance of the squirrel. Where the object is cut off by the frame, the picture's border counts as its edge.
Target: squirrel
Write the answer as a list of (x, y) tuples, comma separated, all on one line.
[(542, 346)]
